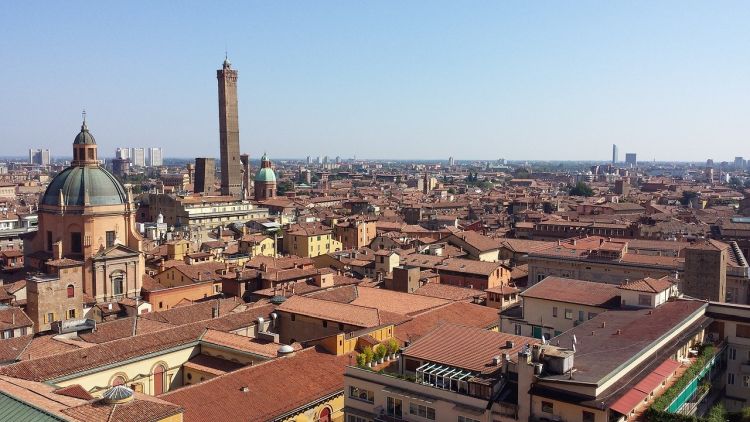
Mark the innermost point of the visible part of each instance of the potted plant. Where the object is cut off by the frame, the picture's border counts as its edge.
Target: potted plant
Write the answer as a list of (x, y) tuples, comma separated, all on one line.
[(368, 355), (380, 353), (392, 347), (361, 360)]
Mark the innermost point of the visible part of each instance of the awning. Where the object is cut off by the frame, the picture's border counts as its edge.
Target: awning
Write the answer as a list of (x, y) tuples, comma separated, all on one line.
[(667, 368), (628, 402), (650, 383), (410, 394)]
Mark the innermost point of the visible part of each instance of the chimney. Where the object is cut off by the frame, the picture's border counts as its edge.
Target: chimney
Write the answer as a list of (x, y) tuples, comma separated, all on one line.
[(57, 250)]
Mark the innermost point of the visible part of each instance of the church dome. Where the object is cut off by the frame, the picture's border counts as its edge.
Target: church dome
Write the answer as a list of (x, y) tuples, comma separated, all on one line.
[(77, 183), (84, 137), (265, 174)]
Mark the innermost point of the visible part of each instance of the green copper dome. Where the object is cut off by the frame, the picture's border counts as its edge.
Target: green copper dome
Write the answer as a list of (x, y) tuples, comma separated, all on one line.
[(76, 183), (265, 174)]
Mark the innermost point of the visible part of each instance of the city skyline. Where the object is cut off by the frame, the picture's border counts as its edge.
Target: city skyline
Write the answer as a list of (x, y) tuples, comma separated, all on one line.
[(521, 82)]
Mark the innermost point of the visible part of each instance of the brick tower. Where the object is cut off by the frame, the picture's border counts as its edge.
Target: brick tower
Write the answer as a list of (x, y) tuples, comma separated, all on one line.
[(229, 131)]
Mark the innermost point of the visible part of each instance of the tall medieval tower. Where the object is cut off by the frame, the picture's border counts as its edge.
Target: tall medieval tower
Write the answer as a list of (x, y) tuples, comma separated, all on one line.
[(229, 131)]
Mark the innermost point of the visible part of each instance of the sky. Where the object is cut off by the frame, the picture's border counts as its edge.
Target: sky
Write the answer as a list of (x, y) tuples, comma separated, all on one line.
[(542, 80)]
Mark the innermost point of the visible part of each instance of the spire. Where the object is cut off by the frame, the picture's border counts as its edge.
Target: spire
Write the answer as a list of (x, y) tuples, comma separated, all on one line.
[(83, 115)]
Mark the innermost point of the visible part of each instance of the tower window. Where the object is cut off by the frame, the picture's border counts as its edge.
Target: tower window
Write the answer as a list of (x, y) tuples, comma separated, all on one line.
[(91, 153), (75, 242), (110, 238), (49, 240), (71, 290)]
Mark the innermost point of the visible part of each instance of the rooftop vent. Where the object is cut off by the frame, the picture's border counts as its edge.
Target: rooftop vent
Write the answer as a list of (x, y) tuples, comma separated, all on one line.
[(245, 389)]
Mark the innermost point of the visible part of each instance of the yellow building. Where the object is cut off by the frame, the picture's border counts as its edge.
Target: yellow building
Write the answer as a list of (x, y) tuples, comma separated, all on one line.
[(257, 245), (309, 242)]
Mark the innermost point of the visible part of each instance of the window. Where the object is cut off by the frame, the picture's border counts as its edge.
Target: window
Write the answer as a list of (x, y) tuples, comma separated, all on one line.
[(110, 238), (554, 311), (50, 317), (732, 353), (466, 419), (644, 300), (592, 315), (361, 394), (746, 381), (588, 417), (8, 334), (568, 314), (117, 285), (422, 411), (394, 407), (49, 240), (293, 317), (341, 326), (581, 315), (75, 242), (325, 324), (743, 331), (547, 407), (517, 329), (71, 291), (71, 313), (730, 378)]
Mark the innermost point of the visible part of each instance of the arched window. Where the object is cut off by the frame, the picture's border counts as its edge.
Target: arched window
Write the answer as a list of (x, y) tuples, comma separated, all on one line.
[(159, 380), (71, 291), (325, 415), (118, 380)]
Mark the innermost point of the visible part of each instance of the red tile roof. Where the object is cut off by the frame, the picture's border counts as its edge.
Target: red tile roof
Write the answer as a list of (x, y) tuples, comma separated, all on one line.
[(456, 313), (274, 388), (569, 290), (466, 347)]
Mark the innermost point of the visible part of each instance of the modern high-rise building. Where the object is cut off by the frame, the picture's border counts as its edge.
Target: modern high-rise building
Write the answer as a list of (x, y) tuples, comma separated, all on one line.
[(122, 153), (39, 157), (138, 157), (631, 159), (155, 158), (739, 163), (229, 131), (205, 175), (451, 162), (614, 154), (309, 160)]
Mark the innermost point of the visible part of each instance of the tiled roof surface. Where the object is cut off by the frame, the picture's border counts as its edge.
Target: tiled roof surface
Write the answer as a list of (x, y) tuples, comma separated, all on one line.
[(649, 285), (247, 344), (574, 291), (275, 387), (141, 409), (359, 316), (457, 313), (448, 292), (466, 347), (392, 301)]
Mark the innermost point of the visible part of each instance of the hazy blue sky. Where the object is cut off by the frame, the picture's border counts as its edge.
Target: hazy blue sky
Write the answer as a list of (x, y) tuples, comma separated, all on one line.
[(400, 79)]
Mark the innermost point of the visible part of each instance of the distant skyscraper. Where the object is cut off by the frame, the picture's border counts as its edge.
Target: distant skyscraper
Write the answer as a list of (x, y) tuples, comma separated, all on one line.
[(229, 131), (309, 160), (155, 158), (138, 157), (325, 160), (205, 175), (614, 154), (338, 160), (451, 163), (40, 157), (631, 159), (739, 163), (709, 162), (122, 153)]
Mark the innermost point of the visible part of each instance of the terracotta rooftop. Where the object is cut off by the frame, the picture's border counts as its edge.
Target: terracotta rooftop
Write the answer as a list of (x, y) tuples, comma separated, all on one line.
[(466, 347), (273, 388), (569, 290), (456, 313), (359, 316), (142, 408), (243, 343), (392, 301), (649, 285), (449, 292)]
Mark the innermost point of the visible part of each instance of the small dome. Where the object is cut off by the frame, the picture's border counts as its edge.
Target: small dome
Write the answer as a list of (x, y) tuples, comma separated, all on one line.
[(265, 174), (286, 349), (77, 183), (84, 136), (118, 394)]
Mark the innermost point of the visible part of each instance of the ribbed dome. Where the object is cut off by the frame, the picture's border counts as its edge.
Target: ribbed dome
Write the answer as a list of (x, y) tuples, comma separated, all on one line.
[(84, 136), (118, 394), (76, 183), (265, 175)]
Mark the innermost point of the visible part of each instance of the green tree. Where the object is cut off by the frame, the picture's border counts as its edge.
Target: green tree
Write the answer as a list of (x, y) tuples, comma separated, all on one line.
[(581, 189)]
